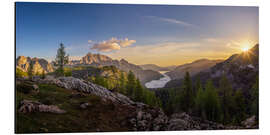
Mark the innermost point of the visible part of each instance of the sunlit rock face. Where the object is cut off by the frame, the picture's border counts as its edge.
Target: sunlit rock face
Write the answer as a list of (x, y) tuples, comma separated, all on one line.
[(99, 60), (158, 83), (39, 65), (95, 58)]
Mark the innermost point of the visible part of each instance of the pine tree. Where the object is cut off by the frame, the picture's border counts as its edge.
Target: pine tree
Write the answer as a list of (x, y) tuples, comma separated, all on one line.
[(239, 106), (255, 98), (131, 84), (30, 70), (225, 90), (188, 94), (61, 59), (199, 101), (138, 91), (122, 83), (211, 103)]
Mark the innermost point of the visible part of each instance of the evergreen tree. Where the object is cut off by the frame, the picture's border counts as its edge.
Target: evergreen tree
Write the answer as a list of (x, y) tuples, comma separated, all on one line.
[(197, 85), (225, 90), (188, 94), (131, 84), (211, 103), (61, 59), (122, 83), (199, 101), (138, 91), (30, 70), (255, 98), (239, 106)]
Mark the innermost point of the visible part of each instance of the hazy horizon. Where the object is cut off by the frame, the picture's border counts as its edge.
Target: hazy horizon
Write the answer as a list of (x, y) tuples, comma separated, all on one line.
[(164, 35)]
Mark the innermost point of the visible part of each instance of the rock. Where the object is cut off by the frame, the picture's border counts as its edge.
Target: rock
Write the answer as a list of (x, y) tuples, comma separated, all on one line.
[(182, 121), (139, 115), (50, 108), (39, 65), (44, 130), (80, 85), (27, 106), (250, 122), (84, 105), (35, 87)]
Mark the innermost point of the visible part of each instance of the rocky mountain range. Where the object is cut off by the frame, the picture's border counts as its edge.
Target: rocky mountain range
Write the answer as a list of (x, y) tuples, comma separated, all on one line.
[(241, 69), (193, 68), (99, 60), (156, 67), (39, 65)]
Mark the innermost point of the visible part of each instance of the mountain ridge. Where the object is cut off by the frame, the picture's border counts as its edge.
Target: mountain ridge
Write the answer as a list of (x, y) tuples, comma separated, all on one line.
[(193, 68)]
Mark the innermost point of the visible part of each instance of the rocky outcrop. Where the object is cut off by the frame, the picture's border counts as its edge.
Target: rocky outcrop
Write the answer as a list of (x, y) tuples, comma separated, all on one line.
[(95, 58), (250, 122), (148, 119), (182, 121), (27, 106), (143, 117), (39, 65), (80, 85), (99, 60)]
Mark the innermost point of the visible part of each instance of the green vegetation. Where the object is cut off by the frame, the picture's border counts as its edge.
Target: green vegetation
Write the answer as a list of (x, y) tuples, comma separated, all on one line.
[(211, 102), (20, 73), (30, 70), (61, 59), (126, 84), (220, 104), (255, 98), (100, 115)]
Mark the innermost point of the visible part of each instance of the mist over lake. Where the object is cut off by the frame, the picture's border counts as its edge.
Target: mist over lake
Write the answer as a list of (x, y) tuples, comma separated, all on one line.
[(159, 83)]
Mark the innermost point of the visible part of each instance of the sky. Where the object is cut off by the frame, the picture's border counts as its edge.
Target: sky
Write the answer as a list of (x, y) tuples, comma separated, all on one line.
[(142, 34)]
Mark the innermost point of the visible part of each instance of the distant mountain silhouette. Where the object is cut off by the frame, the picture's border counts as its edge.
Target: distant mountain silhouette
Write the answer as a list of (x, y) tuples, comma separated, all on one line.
[(156, 67), (193, 68)]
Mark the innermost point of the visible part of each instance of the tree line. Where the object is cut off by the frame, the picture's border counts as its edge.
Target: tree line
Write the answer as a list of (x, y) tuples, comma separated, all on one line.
[(221, 104)]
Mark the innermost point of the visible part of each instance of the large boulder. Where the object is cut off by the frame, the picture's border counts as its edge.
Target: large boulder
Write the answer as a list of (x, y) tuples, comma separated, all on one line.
[(28, 106), (80, 85), (250, 122)]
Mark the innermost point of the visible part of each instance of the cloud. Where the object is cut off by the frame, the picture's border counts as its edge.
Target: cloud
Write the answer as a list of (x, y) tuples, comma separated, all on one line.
[(90, 41), (174, 21), (112, 44), (126, 42)]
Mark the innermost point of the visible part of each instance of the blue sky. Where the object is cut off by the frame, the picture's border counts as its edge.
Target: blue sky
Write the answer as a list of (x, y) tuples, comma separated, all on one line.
[(174, 33)]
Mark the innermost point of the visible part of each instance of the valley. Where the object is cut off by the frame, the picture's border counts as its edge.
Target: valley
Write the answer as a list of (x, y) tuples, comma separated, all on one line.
[(159, 83)]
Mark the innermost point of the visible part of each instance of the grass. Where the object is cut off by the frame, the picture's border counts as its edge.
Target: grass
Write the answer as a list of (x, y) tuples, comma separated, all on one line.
[(102, 116)]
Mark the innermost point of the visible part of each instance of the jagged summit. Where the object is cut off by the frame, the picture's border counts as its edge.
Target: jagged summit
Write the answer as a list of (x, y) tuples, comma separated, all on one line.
[(39, 64)]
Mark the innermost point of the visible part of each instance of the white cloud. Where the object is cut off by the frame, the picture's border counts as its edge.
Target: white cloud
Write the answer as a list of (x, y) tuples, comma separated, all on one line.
[(112, 44), (175, 21), (126, 42), (90, 41)]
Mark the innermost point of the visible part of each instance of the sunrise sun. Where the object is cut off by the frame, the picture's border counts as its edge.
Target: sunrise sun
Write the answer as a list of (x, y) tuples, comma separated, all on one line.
[(245, 49)]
